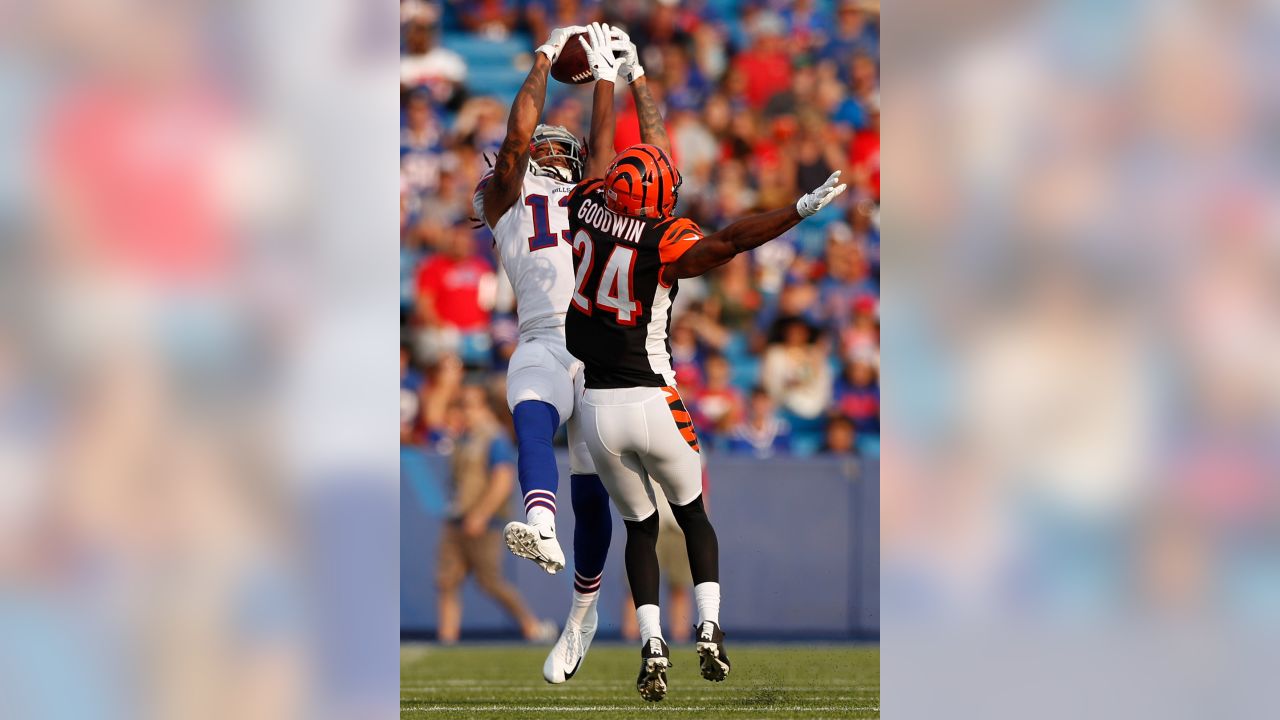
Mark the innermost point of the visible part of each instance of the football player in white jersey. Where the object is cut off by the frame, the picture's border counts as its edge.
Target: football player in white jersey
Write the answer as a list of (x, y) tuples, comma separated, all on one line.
[(522, 201)]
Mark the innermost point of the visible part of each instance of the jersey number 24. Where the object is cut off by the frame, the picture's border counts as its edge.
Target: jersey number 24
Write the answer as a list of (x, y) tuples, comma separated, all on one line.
[(614, 292)]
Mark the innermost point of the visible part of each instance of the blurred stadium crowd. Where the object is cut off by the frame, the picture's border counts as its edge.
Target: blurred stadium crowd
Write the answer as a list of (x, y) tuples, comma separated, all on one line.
[(777, 352)]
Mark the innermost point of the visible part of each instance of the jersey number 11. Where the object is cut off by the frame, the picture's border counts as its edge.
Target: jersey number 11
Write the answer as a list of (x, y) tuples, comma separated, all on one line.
[(542, 237)]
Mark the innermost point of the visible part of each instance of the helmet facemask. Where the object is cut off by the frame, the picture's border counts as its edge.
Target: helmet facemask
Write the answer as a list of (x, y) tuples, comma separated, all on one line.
[(563, 145)]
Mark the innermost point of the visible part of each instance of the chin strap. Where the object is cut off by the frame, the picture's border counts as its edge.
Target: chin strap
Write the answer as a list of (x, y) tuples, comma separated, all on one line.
[(552, 171)]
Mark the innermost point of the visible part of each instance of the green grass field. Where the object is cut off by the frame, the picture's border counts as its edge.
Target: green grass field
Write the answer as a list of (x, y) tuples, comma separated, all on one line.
[(767, 681)]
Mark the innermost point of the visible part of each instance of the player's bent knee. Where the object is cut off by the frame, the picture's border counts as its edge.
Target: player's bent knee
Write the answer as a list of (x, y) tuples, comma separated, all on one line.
[(645, 530), (643, 527), (691, 512)]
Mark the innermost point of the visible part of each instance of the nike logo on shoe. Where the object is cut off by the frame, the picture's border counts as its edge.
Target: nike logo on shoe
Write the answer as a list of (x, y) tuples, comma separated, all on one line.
[(546, 534), (569, 674), (655, 646)]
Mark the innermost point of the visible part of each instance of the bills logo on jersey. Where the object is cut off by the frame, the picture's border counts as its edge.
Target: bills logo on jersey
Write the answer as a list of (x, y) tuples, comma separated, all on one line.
[(601, 218)]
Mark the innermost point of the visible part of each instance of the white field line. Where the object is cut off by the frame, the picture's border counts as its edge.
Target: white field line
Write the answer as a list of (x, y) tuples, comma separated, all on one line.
[(613, 707), (540, 684), (606, 684)]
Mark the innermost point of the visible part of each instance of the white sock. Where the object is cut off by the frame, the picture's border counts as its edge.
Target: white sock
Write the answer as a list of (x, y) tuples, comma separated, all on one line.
[(707, 595), (539, 516), (582, 604), (649, 619)]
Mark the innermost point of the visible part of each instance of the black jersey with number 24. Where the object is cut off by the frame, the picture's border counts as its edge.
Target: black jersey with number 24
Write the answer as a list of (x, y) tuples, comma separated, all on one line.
[(619, 319)]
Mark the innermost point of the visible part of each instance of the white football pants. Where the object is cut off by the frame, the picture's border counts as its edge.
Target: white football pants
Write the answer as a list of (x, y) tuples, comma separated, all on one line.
[(543, 369), (638, 434)]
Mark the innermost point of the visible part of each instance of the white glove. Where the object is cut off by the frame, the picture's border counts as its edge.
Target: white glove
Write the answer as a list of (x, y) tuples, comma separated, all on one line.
[(604, 66), (818, 199), (554, 44), (625, 49)]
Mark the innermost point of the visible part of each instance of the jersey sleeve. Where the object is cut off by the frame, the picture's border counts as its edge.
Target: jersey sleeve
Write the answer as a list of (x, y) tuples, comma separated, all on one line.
[(677, 237)]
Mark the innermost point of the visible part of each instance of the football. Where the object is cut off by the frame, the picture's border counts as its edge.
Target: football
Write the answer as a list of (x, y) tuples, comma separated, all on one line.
[(572, 67)]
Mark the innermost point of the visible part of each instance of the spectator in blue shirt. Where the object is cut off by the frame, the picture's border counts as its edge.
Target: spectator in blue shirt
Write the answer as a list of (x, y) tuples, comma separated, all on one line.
[(763, 434), (857, 31), (482, 473)]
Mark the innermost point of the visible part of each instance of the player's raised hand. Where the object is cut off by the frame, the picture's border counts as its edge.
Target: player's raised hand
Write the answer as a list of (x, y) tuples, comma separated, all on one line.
[(556, 42), (625, 49), (604, 66), (818, 199)]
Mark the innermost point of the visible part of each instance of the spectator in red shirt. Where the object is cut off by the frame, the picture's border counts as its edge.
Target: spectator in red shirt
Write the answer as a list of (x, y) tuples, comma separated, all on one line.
[(137, 170), (765, 67), (455, 294), (861, 338), (628, 122), (857, 396), (864, 154)]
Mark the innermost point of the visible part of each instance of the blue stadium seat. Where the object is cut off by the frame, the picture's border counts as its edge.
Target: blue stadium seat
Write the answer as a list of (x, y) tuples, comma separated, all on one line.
[(807, 434), (869, 446), (491, 64), (746, 372), (721, 9), (736, 348), (805, 444)]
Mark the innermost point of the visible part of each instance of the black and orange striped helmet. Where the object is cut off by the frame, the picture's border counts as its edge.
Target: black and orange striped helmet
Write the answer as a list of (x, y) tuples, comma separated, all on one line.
[(642, 182)]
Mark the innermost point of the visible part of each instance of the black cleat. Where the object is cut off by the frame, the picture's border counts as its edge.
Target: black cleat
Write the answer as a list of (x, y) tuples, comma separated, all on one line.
[(654, 661), (712, 658)]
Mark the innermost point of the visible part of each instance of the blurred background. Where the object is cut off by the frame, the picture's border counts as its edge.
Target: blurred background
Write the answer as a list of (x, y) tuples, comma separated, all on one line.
[(777, 354), (1080, 511), (1080, 508), (197, 495)]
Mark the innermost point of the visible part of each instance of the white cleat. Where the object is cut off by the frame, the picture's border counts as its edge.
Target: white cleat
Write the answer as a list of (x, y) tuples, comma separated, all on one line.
[(566, 657), (538, 544)]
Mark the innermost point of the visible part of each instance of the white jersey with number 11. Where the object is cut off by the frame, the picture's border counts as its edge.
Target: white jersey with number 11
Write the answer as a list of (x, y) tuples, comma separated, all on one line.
[(533, 245)]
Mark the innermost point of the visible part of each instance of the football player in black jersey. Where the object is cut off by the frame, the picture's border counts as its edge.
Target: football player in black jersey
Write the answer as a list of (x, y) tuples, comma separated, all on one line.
[(630, 252)]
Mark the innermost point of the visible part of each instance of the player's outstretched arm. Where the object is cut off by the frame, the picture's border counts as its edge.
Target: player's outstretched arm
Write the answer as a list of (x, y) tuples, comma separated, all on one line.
[(719, 248), (605, 67), (513, 157), (652, 130)]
